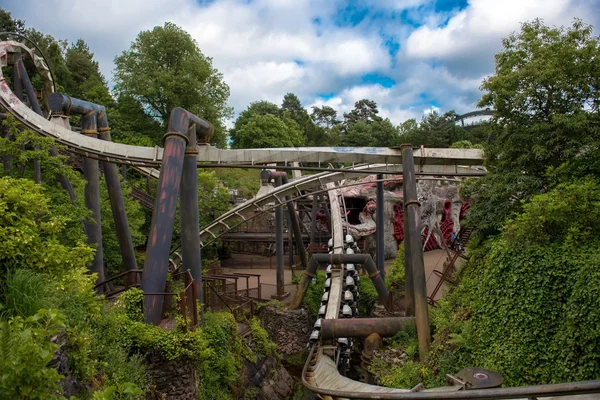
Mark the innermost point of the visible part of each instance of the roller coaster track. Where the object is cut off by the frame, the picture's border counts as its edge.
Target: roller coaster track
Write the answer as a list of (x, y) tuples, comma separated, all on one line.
[(300, 188), (320, 373)]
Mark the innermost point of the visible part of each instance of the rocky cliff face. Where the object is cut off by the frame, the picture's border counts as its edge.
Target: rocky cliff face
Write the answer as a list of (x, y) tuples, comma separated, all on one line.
[(289, 329)]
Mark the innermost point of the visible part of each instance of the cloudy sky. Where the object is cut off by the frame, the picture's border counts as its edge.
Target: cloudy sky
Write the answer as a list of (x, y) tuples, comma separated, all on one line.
[(408, 55)]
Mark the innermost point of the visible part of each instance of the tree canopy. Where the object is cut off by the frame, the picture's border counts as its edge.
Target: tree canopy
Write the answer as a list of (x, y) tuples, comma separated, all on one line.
[(164, 68), (545, 92)]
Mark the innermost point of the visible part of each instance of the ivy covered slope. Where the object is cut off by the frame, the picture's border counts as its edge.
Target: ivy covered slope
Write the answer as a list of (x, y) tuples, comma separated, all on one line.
[(528, 304)]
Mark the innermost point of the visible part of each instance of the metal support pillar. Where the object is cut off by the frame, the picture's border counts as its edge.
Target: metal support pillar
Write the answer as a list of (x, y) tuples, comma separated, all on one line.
[(92, 199), (117, 203), (290, 240), (380, 229), (163, 217), (190, 220), (35, 105), (279, 245), (411, 214), (326, 209), (124, 171), (409, 292), (313, 214)]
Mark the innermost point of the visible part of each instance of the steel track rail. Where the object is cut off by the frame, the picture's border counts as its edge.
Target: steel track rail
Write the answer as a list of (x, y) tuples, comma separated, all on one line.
[(151, 157), (295, 189)]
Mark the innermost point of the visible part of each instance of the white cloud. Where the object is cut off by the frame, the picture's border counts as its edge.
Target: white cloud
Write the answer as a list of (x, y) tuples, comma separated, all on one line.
[(267, 48), (483, 23)]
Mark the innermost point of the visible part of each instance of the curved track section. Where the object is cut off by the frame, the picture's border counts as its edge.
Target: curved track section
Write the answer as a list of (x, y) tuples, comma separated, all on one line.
[(253, 207), (152, 157)]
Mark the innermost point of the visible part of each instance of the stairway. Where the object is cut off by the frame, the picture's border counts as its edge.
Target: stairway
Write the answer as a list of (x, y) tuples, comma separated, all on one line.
[(457, 246)]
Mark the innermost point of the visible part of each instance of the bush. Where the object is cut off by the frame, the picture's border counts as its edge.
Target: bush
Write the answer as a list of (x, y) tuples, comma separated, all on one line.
[(314, 294), (23, 293), (527, 305), (25, 351), (263, 345)]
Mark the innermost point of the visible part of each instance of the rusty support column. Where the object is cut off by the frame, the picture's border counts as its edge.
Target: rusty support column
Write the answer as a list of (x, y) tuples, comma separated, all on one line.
[(409, 293), (92, 199), (290, 240), (163, 217), (380, 230), (279, 245), (190, 220), (35, 105), (117, 202), (313, 214), (326, 209), (411, 206)]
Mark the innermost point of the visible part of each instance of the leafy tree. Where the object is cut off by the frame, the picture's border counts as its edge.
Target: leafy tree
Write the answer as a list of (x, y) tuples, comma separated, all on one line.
[(54, 50), (324, 116), (261, 107), (10, 24), (546, 98), (292, 108), (364, 110), (86, 80), (164, 68), (546, 95), (377, 134), (266, 131)]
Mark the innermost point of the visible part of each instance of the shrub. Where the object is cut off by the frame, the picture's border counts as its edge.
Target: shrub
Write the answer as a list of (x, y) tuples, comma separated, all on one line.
[(25, 351)]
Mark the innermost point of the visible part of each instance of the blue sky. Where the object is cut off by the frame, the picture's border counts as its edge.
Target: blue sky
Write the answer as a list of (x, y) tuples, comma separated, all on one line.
[(410, 56)]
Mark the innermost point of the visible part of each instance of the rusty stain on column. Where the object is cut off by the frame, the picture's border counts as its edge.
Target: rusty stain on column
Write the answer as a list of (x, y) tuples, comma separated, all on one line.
[(92, 199), (117, 202), (190, 218), (411, 206), (163, 217)]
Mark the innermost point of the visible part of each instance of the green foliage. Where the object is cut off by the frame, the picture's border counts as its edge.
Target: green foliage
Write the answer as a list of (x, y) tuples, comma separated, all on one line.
[(267, 131), (314, 293), (221, 361), (25, 351), (365, 110), (545, 129), (30, 234), (262, 344), (164, 68), (540, 321), (405, 376), (395, 277), (23, 293), (9, 24), (378, 133), (368, 296), (97, 344), (261, 107), (544, 93), (246, 181), (132, 303)]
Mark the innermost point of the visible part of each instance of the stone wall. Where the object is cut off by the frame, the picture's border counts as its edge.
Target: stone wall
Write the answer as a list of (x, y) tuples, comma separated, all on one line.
[(266, 379), (289, 329), (172, 380)]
